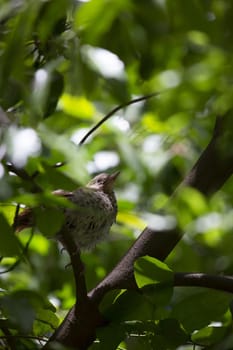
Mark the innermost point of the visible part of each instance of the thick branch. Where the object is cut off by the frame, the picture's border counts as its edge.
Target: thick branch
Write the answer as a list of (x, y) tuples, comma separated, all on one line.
[(79, 326), (150, 242), (77, 266), (224, 283), (85, 315), (215, 165)]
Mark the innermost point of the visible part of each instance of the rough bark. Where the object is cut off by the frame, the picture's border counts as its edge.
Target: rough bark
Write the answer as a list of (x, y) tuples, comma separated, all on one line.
[(187, 279)]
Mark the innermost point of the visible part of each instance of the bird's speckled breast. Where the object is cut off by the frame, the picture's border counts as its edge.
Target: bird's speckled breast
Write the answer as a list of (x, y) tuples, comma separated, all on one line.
[(90, 222)]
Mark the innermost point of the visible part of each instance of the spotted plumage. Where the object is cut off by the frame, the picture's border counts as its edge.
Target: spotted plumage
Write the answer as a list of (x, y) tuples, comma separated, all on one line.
[(90, 221)]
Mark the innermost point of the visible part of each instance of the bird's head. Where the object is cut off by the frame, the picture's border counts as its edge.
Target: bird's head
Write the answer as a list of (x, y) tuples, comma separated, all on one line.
[(103, 182)]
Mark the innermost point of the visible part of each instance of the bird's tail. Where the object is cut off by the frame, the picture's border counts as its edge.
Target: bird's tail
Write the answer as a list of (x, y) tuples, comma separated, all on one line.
[(24, 220)]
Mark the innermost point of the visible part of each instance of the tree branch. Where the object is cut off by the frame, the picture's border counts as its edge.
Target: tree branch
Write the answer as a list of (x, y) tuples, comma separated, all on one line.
[(224, 283), (215, 165), (85, 315), (150, 242)]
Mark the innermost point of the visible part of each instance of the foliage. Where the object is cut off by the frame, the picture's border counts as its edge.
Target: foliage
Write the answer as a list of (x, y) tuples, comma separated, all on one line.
[(63, 66)]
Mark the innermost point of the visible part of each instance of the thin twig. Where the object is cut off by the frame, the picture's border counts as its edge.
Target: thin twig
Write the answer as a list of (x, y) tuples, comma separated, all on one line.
[(107, 116), (23, 336), (116, 109), (9, 338), (16, 216), (23, 174), (25, 249)]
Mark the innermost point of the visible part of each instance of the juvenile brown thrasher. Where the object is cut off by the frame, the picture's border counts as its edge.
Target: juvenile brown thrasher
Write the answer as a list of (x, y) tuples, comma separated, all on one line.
[(91, 220)]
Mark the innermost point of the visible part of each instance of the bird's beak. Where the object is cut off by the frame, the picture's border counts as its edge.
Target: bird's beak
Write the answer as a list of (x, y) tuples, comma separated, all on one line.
[(113, 176), (110, 181)]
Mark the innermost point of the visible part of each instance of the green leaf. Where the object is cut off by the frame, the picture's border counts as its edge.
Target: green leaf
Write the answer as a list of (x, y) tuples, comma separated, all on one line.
[(89, 14), (119, 89), (130, 219), (172, 333), (49, 220), (109, 299), (8, 211), (109, 337), (51, 19), (77, 106), (39, 243), (209, 335), (75, 157), (54, 178), (19, 310), (159, 295), (9, 244), (189, 204), (200, 308), (148, 270), (195, 200), (130, 305), (46, 199), (24, 308), (46, 321), (12, 62), (47, 88)]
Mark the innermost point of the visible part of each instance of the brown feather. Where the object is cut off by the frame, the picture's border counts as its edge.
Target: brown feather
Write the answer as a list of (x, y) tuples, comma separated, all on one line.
[(90, 220), (24, 220)]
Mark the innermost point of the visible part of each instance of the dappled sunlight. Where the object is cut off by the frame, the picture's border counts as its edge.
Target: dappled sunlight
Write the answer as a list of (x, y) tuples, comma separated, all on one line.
[(103, 160), (169, 78), (209, 222), (160, 222), (104, 62), (23, 143)]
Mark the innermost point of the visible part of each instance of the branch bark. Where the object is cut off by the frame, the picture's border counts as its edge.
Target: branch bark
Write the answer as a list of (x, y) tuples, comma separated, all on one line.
[(85, 315), (208, 175), (185, 279)]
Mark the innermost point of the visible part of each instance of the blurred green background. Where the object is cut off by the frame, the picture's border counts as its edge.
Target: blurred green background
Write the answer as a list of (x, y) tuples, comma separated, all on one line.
[(63, 66)]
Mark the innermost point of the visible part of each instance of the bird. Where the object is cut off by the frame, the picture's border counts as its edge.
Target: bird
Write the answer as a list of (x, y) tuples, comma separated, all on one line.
[(89, 221)]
